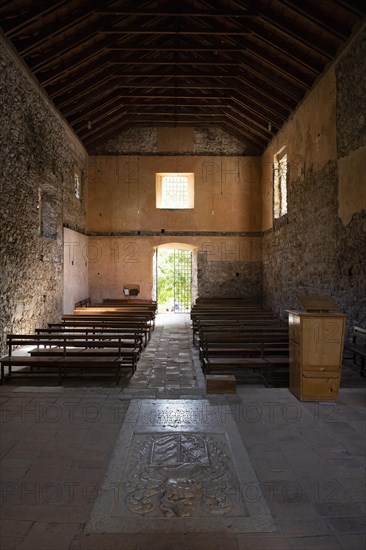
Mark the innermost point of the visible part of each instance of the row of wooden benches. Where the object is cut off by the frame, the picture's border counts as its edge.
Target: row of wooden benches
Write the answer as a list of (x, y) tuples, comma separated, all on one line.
[(357, 347), (241, 338), (105, 342)]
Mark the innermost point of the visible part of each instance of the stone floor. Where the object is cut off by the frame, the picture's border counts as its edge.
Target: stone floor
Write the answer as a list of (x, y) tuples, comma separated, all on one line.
[(59, 444)]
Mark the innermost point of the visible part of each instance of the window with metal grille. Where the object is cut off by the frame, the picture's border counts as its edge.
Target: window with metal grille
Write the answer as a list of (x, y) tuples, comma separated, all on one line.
[(174, 191)]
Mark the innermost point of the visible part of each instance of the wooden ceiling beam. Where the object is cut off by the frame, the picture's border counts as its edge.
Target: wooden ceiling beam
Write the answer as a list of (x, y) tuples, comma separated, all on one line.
[(162, 31), (190, 62), (214, 48), (83, 108), (293, 31), (182, 12), (27, 19), (307, 11), (26, 47)]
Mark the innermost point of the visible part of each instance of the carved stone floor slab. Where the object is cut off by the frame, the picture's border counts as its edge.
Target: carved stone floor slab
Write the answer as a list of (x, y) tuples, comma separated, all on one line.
[(179, 466)]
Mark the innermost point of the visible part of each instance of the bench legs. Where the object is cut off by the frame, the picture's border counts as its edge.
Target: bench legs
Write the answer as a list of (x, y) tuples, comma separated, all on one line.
[(2, 381)]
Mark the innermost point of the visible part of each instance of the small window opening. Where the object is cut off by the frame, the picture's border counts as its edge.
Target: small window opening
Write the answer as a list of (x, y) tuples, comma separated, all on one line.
[(77, 184), (174, 191), (280, 175)]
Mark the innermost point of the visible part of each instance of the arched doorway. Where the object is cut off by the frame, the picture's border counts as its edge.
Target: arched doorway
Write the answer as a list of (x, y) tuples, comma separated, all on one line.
[(175, 277)]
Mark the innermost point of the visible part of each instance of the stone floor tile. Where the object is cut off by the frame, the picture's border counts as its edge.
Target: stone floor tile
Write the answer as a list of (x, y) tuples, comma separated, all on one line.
[(293, 527), (71, 513), (340, 509), (12, 528), (16, 511), (263, 542), (347, 524), (9, 543), (55, 536), (300, 510), (306, 455), (352, 542), (156, 542), (314, 543)]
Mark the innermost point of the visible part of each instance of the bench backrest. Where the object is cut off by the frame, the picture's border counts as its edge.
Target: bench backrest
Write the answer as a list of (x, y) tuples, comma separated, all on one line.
[(359, 333), (63, 341)]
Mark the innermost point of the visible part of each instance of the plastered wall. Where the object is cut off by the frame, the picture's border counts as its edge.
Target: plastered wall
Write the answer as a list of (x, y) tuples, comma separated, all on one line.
[(223, 227), (115, 261), (76, 278), (122, 194)]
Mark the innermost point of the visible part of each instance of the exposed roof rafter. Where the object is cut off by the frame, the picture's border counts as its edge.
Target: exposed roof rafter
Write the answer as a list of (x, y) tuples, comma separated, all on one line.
[(243, 65)]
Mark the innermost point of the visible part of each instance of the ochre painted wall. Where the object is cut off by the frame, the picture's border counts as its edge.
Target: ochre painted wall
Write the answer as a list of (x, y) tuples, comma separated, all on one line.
[(310, 140), (121, 194), (115, 261)]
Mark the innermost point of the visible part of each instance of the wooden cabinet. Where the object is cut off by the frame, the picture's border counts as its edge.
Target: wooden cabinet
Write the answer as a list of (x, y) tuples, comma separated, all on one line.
[(316, 352)]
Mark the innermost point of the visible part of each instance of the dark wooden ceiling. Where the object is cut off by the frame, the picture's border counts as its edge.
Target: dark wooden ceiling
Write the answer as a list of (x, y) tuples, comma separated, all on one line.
[(241, 65)]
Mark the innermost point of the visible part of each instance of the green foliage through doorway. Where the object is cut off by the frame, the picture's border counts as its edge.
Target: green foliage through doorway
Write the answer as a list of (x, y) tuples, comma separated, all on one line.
[(174, 278)]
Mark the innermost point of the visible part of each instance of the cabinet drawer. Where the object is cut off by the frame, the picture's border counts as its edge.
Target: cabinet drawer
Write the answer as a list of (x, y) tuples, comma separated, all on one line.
[(324, 369)]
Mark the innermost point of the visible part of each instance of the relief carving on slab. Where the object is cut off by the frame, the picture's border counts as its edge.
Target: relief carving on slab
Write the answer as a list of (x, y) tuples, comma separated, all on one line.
[(179, 475)]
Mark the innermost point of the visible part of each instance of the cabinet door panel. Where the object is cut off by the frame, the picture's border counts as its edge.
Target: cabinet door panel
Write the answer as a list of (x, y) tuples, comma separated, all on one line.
[(319, 388), (322, 342)]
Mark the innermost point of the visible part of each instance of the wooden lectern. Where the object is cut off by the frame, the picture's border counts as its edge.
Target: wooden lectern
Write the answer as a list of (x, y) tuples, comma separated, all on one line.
[(316, 349)]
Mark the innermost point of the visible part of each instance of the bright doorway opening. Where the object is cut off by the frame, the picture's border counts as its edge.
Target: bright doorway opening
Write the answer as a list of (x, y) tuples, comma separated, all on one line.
[(173, 279)]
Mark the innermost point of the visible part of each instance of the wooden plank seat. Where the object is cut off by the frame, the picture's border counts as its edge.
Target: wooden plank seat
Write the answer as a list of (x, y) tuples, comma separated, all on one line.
[(117, 317), (242, 337), (135, 310), (127, 304), (238, 326), (130, 355), (125, 312), (59, 364), (239, 342), (129, 339), (127, 318), (358, 347), (133, 326), (51, 343), (255, 333), (258, 349), (79, 340), (102, 351), (271, 370)]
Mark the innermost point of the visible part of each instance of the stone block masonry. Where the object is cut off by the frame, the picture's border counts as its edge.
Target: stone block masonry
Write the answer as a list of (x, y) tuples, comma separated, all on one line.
[(40, 156)]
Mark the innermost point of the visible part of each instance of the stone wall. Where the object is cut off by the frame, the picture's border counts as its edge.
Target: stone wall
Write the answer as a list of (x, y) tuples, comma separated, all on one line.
[(314, 253), (351, 104), (300, 255), (319, 246), (229, 279), (39, 158), (147, 141)]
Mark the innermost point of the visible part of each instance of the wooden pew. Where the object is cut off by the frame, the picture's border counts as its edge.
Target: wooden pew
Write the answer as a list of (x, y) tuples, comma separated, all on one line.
[(238, 340), (60, 353), (131, 338), (271, 370), (139, 326), (241, 323), (129, 312), (358, 347)]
